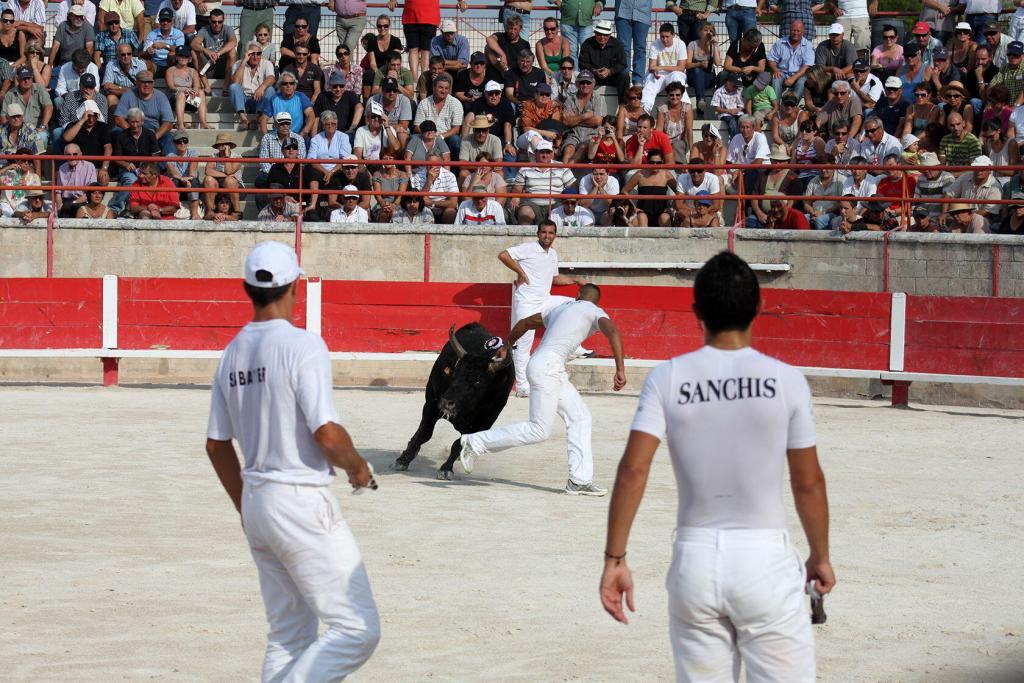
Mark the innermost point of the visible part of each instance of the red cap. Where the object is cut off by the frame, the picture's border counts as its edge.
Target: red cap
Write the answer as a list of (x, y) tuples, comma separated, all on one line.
[(921, 28)]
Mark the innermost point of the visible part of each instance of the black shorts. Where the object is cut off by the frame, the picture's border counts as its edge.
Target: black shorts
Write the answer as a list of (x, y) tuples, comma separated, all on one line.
[(417, 36)]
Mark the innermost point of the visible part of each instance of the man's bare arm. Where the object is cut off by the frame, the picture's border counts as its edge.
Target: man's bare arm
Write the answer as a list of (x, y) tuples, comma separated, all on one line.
[(567, 280), (533, 322), (513, 265), (611, 331), (225, 463), (337, 447), (808, 484)]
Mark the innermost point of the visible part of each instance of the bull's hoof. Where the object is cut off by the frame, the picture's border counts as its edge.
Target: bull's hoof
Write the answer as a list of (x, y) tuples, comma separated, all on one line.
[(446, 475), (399, 465)]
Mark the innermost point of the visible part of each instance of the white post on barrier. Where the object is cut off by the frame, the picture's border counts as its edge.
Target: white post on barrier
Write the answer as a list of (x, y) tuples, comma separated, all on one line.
[(313, 304), (897, 331), (110, 311)]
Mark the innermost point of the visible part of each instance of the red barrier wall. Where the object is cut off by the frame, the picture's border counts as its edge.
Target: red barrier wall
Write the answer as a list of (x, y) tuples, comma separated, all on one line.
[(972, 335), (55, 313)]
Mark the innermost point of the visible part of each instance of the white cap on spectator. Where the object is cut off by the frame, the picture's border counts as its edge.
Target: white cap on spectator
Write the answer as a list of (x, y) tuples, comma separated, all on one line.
[(908, 139), (283, 116), (447, 26), (929, 159), (835, 30), (982, 161), (543, 144), (15, 109), (376, 109), (88, 107), (351, 191), (894, 82), (964, 26), (271, 264), (77, 10), (492, 86)]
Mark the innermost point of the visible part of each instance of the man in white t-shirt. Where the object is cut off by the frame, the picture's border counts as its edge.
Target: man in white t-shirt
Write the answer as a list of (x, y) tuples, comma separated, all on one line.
[(566, 327), (733, 418), (480, 210), (747, 147), (667, 64), (568, 214), (698, 181), (272, 393), (536, 267), (599, 181)]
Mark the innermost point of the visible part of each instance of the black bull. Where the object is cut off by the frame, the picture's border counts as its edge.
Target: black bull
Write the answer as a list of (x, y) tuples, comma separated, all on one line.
[(467, 387)]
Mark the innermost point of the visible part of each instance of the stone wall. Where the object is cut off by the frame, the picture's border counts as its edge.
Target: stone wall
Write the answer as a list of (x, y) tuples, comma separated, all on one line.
[(918, 264)]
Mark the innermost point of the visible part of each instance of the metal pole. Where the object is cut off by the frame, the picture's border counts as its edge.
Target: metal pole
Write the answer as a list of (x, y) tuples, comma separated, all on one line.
[(995, 270)]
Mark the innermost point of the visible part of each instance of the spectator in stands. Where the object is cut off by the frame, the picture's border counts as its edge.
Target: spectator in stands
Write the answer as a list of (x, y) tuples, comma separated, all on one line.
[(29, 18), (392, 69), (451, 47), (1012, 75), (569, 214), (73, 173), (522, 79), (605, 57), (94, 207), (978, 79), (789, 61), (888, 55), (781, 216), (375, 136), (702, 58), (836, 54), (10, 38), (352, 173), (746, 56), (72, 35), (675, 119), (653, 182), (551, 49), (343, 103), (154, 195), (563, 85), (943, 71), (388, 178), (288, 100), (581, 115), (281, 208), (330, 143), (185, 173), (214, 49), (956, 99), (502, 116), (728, 104), (437, 179), (1001, 150), (667, 64), (866, 86), (959, 147), (632, 24), (256, 17), (271, 146), (309, 76), (350, 211), (17, 172), (224, 173), (34, 206), (380, 46), (760, 101), (702, 215), (412, 211), (222, 210), (161, 41), (252, 85), (184, 82), (130, 16), (646, 140), (184, 17), (487, 176), (843, 106), (286, 174), (70, 73), (536, 119), (155, 106), (90, 133), (111, 38), (698, 181), (71, 108), (120, 75), (598, 182), (878, 144), (303, 35), (840, 147), (604, 147), (933, 182), (997, 43), (445, 111), (824, 214), (351, 76), (963, 219), (36, 106), (1013, 224), (629, 112), (978, 185), (469, 83), (541, 181), (15, 135), (397, 108), (480, 209), (504, 46), (914, 71), (892, 109), (425, 83), (748, 147), (480, 141), (136, 140)]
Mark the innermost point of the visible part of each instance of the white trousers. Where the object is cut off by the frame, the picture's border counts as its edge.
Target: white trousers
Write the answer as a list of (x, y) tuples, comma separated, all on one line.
[(310, 570), (551, 393), (521, 354), (653, 85), (738, 595)]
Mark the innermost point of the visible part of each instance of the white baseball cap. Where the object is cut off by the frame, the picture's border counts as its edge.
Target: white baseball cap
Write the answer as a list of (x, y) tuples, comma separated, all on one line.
[(835, 30), (351, 191), (77, 10), (447, 26), (894, 82), (271, 264), (492, 86), (982, 161), (543, 144)]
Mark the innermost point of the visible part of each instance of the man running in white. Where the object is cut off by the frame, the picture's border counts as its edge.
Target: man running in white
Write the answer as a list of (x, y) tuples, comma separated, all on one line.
[(551, 391), (536, 267), (733, 417), (272, 392)]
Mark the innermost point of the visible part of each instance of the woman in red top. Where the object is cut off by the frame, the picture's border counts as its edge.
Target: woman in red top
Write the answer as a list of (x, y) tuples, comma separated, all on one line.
[(604, 148)]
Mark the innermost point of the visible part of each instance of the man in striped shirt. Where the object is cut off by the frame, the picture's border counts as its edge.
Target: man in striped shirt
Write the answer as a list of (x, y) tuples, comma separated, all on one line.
[(480, 210), (541, 181), (440, 183)]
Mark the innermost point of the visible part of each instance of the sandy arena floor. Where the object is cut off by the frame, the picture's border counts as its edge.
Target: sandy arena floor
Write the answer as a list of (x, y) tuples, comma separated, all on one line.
[(123, 560)]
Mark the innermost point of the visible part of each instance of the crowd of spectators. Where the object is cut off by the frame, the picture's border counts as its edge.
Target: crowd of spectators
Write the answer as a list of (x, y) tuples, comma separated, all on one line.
[(125, 78)]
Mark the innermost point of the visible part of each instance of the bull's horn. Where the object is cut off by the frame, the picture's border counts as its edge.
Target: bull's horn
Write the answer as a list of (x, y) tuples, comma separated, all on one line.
[(499, 365), (456, 346)]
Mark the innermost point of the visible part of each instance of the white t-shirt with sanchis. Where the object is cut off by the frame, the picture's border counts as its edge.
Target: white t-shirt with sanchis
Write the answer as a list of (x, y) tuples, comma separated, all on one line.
[(271, 392), (540, 267), (567, 326), (729, 417), (667, 56)]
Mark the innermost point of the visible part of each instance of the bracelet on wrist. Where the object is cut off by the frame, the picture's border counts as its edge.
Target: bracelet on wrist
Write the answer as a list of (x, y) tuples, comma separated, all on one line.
[(609, 556)]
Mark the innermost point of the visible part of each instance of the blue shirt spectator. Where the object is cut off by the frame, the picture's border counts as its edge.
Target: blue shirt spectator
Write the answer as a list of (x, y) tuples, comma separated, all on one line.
[(296, 105), (172, 38), (156, 107), (455, 49)]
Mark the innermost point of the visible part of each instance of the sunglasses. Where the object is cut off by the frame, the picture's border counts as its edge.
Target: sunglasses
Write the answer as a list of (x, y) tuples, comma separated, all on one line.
[(383, 25), (301, 25), (872, 131), (633, 98), (262, 35), (287, 82), (216, 23), (343, 53), (301, 54), (255, 54), (11, 21), (920, 94), (550, 29), (565, 68), (181, 141), (889, 37)]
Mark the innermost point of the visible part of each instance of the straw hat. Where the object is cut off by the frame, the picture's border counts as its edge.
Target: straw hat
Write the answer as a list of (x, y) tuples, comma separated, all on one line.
[(225, 139), (957, 86), (481, 121)]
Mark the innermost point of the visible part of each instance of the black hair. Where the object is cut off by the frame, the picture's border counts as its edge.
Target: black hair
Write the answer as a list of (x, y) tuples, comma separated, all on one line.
[(262, 297), (217, 13), (436, 59), (549, 222), (391, 54), (667, 28), (726, 293), (590, 292)]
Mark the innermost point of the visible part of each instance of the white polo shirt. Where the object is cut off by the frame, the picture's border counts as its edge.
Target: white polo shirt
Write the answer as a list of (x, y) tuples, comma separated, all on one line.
[(729, 417), (567, 326), (540, 267), (271, 392)]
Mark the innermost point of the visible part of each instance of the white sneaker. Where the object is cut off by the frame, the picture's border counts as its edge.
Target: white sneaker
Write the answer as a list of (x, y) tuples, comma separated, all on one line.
[(581, 352), (467, 456), (588, 489), (522, 393)]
